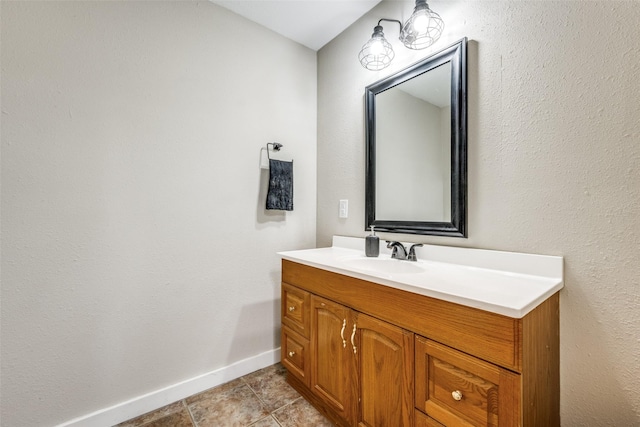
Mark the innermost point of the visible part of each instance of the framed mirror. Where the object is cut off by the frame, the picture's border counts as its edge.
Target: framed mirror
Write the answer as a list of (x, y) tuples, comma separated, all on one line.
[(416, 147)]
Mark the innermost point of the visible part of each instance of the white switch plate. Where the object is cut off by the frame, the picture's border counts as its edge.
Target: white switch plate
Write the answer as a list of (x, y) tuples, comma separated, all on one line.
[(344, 209)]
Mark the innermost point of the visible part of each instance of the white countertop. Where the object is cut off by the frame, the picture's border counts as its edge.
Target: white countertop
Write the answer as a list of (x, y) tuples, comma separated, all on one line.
[(507, 283)]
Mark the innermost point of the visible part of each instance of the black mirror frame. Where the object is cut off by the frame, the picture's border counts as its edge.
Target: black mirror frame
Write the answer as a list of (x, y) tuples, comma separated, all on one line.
[(457, 55)]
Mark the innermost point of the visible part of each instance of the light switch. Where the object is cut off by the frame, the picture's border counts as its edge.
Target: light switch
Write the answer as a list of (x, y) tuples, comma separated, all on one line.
[(344, 209)]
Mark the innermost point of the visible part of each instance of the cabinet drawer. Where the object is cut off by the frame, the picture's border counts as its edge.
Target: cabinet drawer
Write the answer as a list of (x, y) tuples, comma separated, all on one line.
[(295, 309), (295, 354), (457, 389)]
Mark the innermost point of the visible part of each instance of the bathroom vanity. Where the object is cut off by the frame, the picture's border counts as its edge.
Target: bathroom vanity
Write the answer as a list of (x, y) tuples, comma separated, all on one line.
[(463, 337)]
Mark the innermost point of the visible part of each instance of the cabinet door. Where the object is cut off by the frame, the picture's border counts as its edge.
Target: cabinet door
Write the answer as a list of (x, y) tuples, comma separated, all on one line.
[(385, 367), (332, 362)]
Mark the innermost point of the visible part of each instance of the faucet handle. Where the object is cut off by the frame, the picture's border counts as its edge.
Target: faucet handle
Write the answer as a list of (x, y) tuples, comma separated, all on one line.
[(397, 247), (412, 252)]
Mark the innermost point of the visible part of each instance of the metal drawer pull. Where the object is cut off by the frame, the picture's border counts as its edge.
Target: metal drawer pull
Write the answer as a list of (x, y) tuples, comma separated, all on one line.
[(344, 325), (292, 353), (457, 395), (353, 334), (292, 308)]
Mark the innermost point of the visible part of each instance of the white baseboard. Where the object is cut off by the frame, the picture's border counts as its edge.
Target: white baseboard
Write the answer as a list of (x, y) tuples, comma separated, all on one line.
[(159, 398)]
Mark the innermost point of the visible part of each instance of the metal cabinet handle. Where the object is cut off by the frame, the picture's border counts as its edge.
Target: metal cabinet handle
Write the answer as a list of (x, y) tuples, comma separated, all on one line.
[(292, 308), (344, 325), (353, 335), (457, 395), (292, 353)]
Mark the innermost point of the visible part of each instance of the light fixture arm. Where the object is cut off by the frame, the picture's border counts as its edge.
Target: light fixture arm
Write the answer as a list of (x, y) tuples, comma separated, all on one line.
[(393, 20)]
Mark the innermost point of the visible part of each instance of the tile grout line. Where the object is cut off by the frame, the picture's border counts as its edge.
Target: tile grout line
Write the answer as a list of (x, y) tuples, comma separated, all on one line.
[(282, 407), (193, 420), (262, 402), (271, 413)]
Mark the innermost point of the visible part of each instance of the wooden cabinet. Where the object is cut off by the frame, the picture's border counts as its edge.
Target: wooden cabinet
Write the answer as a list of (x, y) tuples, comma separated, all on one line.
[(365, 354)]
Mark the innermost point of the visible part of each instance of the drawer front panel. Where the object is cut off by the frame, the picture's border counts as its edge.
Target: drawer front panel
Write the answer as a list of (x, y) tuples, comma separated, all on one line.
[(295, 309), (295, 354), (457, 389), (460, 391)]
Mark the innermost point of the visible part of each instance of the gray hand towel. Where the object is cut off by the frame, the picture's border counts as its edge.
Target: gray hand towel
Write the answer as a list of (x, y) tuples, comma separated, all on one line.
[(280, 193)]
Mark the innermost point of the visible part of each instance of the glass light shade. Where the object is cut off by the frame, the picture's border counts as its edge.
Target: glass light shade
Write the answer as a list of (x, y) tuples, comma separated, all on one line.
[(377, 53), (423, 28)]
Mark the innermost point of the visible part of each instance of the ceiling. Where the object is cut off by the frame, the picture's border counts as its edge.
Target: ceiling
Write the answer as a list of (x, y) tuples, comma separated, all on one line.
[(312, 23)]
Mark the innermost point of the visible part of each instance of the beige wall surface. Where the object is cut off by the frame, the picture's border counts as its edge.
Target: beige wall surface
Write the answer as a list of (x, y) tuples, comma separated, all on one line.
[(136, 250), (554, 165)]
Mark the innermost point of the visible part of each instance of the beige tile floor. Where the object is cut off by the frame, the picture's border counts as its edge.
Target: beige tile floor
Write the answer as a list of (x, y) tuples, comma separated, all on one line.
[(260, 399)]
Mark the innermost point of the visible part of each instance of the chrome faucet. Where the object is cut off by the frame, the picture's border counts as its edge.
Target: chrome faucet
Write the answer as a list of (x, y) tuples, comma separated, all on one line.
[(398, 250), (412, 252)]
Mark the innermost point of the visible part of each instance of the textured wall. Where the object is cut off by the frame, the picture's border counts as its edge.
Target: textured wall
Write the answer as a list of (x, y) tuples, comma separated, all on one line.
[(132, 199), (554, 166)]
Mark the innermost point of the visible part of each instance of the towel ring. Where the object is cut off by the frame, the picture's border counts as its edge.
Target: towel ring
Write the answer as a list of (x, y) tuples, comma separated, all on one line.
[(276, 147)]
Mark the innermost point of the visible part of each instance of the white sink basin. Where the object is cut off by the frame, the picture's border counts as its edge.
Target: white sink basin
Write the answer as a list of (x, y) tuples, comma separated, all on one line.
[(384, 265)]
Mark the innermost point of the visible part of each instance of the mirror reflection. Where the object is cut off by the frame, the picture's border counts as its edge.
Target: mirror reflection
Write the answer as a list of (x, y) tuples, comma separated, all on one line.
[(416, 147), (413, 135)]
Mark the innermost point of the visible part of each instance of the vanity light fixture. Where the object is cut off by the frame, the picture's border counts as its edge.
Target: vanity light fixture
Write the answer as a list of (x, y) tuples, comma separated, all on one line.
[(422, 29), (377, 53)]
